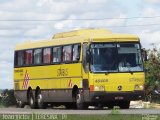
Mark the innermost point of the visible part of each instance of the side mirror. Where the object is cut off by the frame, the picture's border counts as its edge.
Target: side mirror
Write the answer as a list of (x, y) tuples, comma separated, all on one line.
[(144, 55), (88, 56)]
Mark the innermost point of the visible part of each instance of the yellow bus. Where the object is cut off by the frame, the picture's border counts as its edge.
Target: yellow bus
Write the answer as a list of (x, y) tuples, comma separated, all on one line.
[(79, 68)]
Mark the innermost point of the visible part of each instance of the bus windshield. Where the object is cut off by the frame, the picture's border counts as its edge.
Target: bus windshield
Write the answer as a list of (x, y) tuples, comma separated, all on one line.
[(116, 57)]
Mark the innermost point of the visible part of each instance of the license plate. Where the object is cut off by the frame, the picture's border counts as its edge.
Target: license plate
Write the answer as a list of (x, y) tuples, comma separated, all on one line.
[(118, 98)]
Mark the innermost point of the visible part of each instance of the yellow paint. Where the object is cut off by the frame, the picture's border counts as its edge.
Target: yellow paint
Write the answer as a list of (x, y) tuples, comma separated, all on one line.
[(48, 77), (111, 81)]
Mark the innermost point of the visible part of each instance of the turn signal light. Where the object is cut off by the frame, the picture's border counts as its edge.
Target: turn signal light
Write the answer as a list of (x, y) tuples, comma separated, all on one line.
[(91, 87)]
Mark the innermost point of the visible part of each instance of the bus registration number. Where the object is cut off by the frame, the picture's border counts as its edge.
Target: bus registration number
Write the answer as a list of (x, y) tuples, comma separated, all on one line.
[(119, 98)]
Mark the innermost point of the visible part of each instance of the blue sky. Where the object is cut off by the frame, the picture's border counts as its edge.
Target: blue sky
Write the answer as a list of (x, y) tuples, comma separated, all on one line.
[(14, 32)]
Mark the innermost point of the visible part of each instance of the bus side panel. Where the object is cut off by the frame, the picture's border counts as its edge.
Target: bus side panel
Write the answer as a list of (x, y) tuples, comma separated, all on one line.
[(58, 96), (55, 81)]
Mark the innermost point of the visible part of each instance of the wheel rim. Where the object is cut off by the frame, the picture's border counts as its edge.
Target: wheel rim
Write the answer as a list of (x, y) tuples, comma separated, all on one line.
[(39, 99), (31, 101), (20, 103), (78, 98)]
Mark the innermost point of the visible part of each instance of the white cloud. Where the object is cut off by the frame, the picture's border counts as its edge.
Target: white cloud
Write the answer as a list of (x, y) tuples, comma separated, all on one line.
[(41, 31), (6, 74), (150, 37), (150, 11)]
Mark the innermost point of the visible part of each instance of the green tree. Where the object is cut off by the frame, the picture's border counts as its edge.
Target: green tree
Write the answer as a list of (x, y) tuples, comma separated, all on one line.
[(153, 67)]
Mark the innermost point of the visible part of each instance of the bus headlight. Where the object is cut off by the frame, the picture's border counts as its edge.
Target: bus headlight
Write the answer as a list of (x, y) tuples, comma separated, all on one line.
[(141, 87), (136, 87), (101, 88), (96, 88)]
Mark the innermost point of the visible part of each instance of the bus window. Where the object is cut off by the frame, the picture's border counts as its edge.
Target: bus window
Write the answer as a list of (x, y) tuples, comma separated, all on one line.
[(130, 53), (47, 55), (56, 54), (67, 53), (19, 58), (76, 52), (37, 56), (28, 57)]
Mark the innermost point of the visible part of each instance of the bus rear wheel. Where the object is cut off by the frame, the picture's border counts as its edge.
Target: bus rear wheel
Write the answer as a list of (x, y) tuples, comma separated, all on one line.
[(80, 104), (31, 100), (39, 99)]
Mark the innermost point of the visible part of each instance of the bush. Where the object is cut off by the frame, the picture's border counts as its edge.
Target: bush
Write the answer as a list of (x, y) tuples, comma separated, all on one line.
[(8, 98), (153, 68)]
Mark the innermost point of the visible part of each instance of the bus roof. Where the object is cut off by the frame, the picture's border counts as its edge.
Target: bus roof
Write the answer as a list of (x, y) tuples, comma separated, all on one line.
[(79, 36)]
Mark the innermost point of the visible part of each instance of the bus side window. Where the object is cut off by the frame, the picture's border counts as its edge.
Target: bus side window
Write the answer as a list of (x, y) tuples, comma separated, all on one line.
[(19, 58), (76, 52), (28, 57), (56, 55), (84, 62), (67, 53), (47, 55), (37, 56)]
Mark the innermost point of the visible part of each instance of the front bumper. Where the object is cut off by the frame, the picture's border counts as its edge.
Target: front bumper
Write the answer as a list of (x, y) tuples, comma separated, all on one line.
[(116, 96)]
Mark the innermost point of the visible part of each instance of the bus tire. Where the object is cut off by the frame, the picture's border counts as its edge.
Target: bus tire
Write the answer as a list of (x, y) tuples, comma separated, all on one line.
[(124, 104), (80, 104), (31, 100), (39, 99)]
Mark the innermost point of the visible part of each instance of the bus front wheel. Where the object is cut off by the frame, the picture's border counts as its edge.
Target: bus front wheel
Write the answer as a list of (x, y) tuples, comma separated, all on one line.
[(80, 104)]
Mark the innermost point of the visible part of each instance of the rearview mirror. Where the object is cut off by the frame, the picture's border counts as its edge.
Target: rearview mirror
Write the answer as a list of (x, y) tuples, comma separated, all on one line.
[(88, 56), (144, 54)]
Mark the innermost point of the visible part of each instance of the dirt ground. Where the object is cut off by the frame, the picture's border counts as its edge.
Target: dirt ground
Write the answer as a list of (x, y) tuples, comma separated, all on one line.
[(142, 104)]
